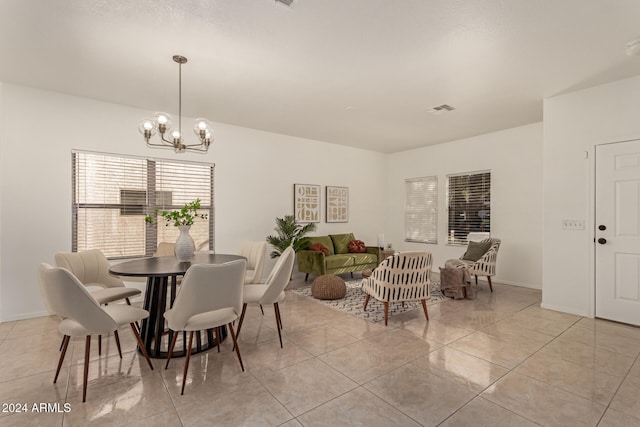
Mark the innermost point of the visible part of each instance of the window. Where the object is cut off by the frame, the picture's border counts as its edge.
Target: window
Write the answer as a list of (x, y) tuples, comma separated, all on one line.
[(421, 210), (469, 197), (113, 193)]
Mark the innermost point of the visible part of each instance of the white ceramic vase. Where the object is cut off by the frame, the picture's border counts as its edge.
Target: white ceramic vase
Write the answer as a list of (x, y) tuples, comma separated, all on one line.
[(185, 246)]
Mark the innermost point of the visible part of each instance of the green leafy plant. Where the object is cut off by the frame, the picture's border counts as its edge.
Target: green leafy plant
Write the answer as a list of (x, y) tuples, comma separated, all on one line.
[(289, 233), (185, 216)]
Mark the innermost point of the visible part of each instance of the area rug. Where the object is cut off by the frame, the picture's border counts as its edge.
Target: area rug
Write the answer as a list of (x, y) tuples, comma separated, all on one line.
[(353, 302)]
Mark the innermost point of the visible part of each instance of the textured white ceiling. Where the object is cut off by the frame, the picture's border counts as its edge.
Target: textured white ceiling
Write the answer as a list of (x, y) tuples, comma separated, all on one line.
[(354, 72)]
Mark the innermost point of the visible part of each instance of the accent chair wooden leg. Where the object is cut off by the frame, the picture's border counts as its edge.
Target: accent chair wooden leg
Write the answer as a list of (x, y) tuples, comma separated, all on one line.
[(476, 280), (171, 347), (87, 348), (143, 349), (490, 285), (235, 344), (424, 308), (352, 274), (99, 345), (217, 329), (244, 310), (186, 363), (278, 323), (65, 344), (306, 277), (366, 301), (117, 337), (262, 309), (386, 313)]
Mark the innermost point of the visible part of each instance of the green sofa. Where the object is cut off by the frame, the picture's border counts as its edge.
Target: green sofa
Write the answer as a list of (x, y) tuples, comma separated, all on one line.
[(339, 260)]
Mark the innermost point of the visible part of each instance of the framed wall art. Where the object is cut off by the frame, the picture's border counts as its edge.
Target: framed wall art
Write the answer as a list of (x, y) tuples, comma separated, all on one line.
[(306, 202), (337, 204)]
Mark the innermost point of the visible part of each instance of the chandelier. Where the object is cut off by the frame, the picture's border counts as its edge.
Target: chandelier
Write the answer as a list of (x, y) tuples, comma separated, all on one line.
[(161, 123)]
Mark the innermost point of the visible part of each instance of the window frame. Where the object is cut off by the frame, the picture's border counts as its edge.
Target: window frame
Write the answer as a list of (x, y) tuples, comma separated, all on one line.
[(418, 215), (480, 194)]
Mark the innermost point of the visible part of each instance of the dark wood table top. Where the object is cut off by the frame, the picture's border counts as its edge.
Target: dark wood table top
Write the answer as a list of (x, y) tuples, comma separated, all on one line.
[(167, 265)]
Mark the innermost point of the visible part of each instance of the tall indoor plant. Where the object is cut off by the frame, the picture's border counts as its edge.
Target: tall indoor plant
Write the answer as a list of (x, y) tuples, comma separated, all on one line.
[(183, 219), (289, 233)]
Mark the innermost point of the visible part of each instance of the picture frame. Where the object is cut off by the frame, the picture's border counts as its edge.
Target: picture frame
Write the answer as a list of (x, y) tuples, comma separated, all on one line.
[(337, 204), (306, 202)]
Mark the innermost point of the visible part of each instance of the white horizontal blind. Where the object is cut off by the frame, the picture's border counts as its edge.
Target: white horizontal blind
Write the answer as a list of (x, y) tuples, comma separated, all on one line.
[(113, 193), (421, 210), (469, 205)]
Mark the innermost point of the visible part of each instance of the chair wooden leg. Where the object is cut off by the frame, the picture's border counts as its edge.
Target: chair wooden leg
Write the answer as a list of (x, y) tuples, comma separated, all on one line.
[(87, 347), (171, 347), (61, 344), (217, 330), (278, 322), (117, 337), (476, 280), (99, 345), (490, 285), (261, 309), (235, 344), (306, 277), (386, 313), (65, 344), (424, 308), (244, 310), (366, 301), (143, 349), (186, 363), (352, 274)]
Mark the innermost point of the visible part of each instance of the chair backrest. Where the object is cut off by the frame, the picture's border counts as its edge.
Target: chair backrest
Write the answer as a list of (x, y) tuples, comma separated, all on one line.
[(255, 253), (208, 287), (405, 268), (165, 249), (90, 267), (279, 277), (66, 297)]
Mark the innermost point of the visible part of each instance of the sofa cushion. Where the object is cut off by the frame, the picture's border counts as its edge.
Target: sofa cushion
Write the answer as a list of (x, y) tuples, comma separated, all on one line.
[(339, 261), (319, 247), (475, 250), (364, 258), (357, 246), (341, 242), (326, 242)]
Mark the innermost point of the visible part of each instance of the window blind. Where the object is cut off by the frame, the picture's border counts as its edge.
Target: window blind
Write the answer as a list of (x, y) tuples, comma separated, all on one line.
[(113, 193), (421, 209), (469, 205)]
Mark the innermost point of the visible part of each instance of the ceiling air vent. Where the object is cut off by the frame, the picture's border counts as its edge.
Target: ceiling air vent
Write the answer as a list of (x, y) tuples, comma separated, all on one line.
[(441, 109), (285, 2)]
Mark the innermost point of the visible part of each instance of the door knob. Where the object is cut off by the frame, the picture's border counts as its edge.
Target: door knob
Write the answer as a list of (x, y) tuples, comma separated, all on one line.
[(602, 227), (602, 240)]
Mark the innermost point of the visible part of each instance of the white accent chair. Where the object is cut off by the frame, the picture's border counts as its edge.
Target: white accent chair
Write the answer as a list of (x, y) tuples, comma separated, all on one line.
[(401, 277), (271, 292), (255, 253), (485, 266), (82, 316), (165, 249), (210, 296), (92, 269)]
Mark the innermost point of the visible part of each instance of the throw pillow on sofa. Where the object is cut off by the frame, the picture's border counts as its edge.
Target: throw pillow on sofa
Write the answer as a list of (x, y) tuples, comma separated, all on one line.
[(341, 242), (357, 247), (319, 247)]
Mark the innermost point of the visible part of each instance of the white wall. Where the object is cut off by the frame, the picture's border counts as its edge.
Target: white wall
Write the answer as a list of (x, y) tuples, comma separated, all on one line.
[(573, 125), (514, 157), (255, 173)]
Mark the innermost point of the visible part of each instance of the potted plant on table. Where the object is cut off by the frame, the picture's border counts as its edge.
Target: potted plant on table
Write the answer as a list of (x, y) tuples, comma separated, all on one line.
[(183, 219)]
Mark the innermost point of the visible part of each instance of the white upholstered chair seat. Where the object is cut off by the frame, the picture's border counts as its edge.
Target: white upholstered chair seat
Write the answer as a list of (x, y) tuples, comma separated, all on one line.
[(202, 321), (255, 293), (107, 295)]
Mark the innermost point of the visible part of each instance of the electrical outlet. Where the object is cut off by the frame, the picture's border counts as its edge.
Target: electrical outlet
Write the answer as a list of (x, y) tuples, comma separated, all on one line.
[(573, 224)]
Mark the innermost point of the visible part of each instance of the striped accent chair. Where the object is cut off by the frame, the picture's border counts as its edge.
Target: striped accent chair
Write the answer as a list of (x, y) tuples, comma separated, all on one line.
[(485, 266), (401, 277)]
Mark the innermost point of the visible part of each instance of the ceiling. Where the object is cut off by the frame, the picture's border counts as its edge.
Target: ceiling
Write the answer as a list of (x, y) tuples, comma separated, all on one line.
[(361, 73)]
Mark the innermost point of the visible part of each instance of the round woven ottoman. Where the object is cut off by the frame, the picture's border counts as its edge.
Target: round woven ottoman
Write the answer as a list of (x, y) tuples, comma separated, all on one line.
[(328, 287)]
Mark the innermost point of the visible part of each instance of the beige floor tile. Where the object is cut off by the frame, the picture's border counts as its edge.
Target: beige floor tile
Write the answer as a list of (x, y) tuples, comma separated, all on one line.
[(321, 339), (612, 328), (306, 385), (419, 394), (247, 404), (357, 327), (461, 368), (36, 419), (506, 331), (433, 330), (494, 350), (34, 326), (291, 423), (267, 357), (614, 418), (32, 389), (482, 413), (357, 407), (536, 310), (528, 320), (402, 345), (168, 418), (5, 328), (588, 356), (542, 403), (576, 379), (604, 339), (30, 363), (626, 399)]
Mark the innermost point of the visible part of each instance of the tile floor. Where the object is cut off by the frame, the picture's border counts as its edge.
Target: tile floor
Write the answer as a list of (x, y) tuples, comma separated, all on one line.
[(499, 360)]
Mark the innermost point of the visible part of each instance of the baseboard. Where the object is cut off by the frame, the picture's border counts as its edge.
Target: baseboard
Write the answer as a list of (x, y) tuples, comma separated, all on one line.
[(564, 310), (25, 316)]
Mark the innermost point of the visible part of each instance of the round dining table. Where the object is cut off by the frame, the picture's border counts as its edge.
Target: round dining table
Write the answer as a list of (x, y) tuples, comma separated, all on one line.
[(162, 275)]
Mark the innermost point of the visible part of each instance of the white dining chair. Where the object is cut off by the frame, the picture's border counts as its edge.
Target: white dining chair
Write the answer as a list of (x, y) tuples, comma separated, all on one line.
[(82, 316), (210, 296), (255, 253)]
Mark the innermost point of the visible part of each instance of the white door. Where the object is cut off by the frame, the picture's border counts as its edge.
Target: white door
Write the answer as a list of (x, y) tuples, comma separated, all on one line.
[(617, 232)]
